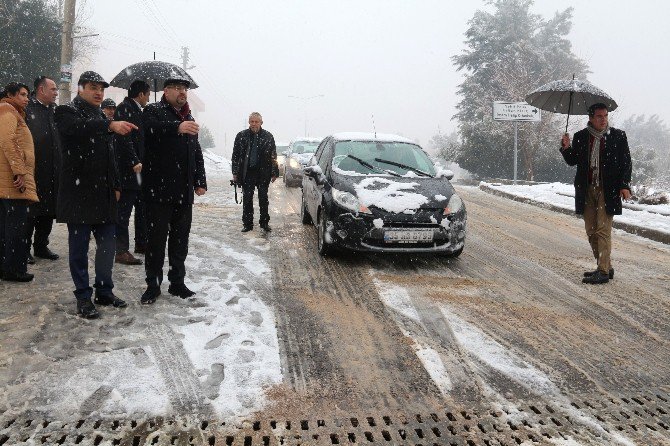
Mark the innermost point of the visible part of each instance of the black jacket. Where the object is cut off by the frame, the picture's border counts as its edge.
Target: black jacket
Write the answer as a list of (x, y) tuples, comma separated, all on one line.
[(268, 155), (129, 148), (173, 164), (615, 168), (89, 176), (40, 121)]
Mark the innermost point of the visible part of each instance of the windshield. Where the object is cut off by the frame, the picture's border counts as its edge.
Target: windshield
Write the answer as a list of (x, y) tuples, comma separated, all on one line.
[(393, 157), (304, 147)]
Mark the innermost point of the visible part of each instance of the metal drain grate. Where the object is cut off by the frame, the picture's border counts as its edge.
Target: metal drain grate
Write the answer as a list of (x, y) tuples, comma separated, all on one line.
[(641, 418)]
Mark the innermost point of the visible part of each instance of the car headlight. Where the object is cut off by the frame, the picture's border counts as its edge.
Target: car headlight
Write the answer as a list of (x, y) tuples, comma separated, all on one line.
[(294, 163), (349, 201), (455, 204)]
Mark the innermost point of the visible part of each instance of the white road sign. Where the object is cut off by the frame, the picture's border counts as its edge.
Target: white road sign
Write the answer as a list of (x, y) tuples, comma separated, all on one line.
[(515, 111)]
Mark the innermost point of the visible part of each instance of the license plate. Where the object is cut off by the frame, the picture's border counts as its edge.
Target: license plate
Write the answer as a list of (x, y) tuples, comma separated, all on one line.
[(408, 235)]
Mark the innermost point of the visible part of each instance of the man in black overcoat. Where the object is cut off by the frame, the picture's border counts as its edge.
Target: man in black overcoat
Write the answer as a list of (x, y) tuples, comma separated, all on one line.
[(254, 165), (173, 170), (40, 121), (129, 155), (604, 167), (89, 189)]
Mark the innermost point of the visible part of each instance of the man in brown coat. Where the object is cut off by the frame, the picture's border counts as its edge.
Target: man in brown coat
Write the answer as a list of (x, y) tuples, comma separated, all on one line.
[(17, 184)]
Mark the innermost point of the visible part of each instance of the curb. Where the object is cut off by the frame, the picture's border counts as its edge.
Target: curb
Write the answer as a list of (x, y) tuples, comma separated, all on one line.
[(652, 234)]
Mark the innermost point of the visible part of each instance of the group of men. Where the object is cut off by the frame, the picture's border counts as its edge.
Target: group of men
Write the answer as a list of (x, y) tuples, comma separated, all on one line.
[(92, 170)]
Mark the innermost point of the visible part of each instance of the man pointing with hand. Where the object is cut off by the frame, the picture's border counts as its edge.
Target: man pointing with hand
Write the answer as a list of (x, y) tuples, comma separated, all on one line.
[(89, 189), (173, 170)]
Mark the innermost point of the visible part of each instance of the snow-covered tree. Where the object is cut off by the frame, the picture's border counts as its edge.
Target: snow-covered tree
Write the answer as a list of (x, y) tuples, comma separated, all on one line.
[(31, 40), (649, 141), (510, 52), (206, 138), (445, 146)]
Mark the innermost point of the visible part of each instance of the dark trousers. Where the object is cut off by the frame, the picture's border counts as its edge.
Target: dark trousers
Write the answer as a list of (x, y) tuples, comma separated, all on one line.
[(167, 220), (140, 222), (13, 241), (41, 226), (79, 236), (125, 208), (253, 180)]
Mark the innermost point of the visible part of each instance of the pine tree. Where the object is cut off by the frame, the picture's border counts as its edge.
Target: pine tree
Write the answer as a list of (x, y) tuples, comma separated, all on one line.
[(510, 52), (31, 40)]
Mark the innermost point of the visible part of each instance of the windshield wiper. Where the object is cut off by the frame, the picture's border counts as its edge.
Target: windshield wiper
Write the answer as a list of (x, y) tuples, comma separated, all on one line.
[(404, 166), (371, 167)]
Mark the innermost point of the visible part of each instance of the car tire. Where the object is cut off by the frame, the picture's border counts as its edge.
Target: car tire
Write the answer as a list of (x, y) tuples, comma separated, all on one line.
[(322, 247), (455, 254), (305, 218)]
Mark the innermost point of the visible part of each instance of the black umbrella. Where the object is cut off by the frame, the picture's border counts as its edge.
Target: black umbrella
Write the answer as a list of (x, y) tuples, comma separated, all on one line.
[(571, 97), (154, 72)]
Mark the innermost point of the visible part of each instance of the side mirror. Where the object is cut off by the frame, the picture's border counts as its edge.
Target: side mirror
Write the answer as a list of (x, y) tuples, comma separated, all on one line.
[(449, 174)]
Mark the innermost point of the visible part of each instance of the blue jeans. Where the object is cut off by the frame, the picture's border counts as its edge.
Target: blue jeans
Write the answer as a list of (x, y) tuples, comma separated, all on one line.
[(13, 241), (105, 240)]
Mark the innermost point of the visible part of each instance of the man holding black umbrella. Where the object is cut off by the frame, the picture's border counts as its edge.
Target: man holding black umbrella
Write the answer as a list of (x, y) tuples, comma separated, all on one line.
[(173, 170), (602, 157)]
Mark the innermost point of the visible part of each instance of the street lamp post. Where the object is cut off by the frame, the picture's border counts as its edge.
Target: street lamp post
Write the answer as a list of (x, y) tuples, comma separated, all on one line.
[(304, 105)]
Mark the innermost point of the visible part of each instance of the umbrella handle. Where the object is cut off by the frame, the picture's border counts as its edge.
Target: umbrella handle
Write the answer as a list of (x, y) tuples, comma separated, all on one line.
[(569, 109)]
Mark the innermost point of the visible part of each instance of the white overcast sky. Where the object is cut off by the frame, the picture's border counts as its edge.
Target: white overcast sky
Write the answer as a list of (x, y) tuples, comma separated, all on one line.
[(390, 58)]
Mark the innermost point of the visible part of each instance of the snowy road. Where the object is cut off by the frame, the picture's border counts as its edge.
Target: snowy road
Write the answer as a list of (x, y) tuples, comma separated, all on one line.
[(502, 346)]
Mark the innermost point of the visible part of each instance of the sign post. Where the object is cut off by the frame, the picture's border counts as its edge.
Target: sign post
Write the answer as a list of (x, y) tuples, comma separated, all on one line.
[(515, 112)]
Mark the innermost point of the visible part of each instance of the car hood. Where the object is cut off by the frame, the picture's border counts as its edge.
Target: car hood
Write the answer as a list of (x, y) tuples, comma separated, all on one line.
[(396, 194)]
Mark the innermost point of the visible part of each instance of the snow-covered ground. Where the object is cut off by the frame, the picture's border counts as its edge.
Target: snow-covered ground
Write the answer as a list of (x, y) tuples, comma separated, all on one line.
[(215, 165), (656, 217)]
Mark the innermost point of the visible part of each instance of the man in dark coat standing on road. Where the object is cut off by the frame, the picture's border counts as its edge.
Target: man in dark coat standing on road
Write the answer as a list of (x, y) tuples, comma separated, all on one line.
[(40, 121), (604, 166), (254, 165), (173, 170), (129, 155), (89, 190)]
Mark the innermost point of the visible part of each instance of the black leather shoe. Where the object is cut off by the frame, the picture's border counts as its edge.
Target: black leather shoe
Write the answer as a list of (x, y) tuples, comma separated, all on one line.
[(266, 227), (150, 294), (597, 278), (247, 228), (179, 289), (110, 300), (46, 253), (17, 277), (590, 273), (86, 309), (31, 259)]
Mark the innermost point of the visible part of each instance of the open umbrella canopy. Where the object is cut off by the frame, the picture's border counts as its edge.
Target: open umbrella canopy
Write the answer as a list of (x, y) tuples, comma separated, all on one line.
[(572, 97), (154, 72)]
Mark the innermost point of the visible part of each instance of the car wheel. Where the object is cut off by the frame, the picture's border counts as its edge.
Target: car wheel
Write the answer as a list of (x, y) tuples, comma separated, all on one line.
[(304, 214), (322, 246), (453, 255)]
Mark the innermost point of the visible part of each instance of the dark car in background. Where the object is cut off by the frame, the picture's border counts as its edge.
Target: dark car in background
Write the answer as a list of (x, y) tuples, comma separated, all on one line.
[(381, 193), (300, 152)]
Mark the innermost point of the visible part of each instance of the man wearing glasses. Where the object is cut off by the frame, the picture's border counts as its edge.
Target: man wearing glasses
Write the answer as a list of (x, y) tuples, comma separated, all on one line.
[(173, 171), (604, 166)]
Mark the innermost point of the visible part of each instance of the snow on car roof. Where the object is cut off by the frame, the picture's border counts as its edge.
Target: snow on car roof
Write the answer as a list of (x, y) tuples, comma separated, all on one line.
[(361, 136), (306, 139)]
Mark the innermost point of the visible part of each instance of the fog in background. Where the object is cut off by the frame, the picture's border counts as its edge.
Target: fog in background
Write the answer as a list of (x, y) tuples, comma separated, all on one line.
[(390, 58)]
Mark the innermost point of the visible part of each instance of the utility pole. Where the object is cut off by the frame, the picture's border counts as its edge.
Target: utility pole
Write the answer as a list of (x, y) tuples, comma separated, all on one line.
[(67, 43), (185, 58)]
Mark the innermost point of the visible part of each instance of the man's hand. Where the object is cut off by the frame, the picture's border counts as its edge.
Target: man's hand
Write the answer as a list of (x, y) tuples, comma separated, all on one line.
[(117, 194), (19, 182), (121, 127), (189, 127), (273, 179), (625, 194), (565, 141), (200, 191), (137, 168)]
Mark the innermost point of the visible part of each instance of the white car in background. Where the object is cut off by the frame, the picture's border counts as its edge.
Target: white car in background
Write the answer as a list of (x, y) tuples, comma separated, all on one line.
[(300, 152), (282, 151)]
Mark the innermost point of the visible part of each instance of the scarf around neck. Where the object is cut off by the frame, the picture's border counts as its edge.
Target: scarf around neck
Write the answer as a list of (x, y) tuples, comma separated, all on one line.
[(183, 113), (594, 161)]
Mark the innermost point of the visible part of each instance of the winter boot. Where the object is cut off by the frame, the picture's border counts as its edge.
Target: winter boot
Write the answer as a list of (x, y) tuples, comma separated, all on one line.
[(150, 294), (86, 309), (110, 299), (179, 289), (597, 278), (590, 273)]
